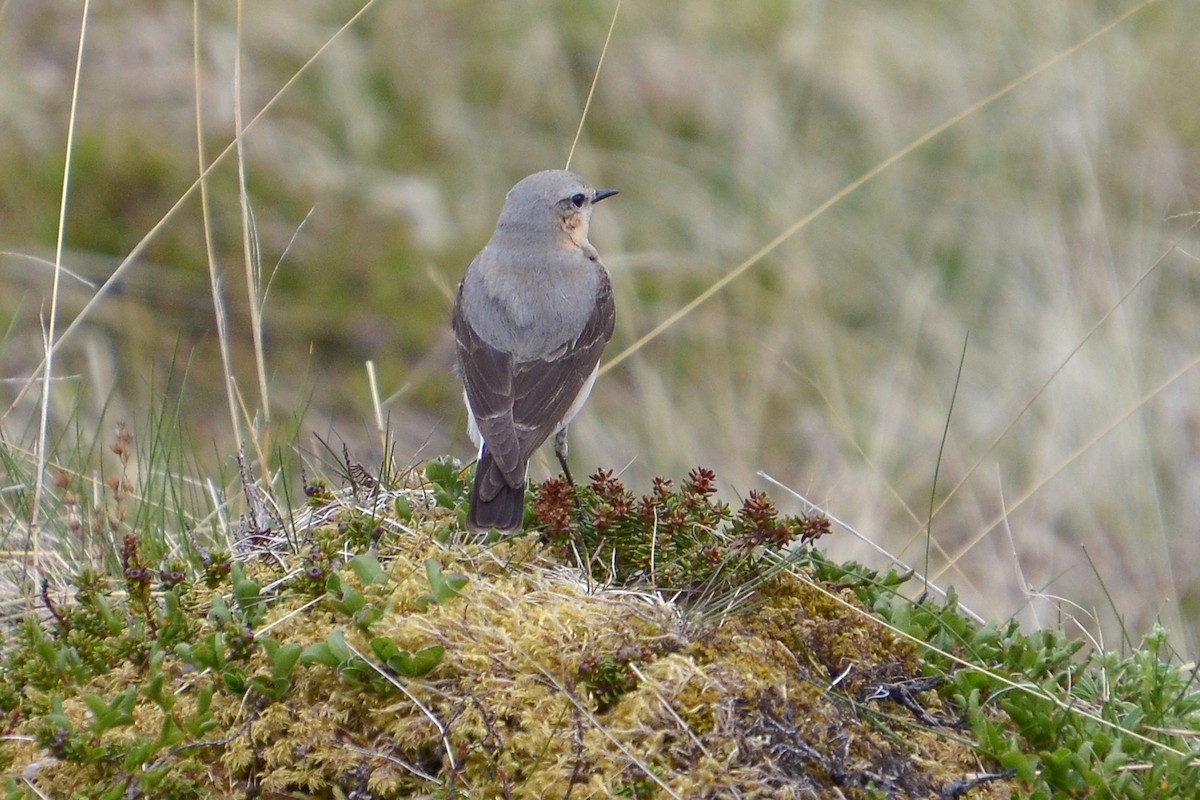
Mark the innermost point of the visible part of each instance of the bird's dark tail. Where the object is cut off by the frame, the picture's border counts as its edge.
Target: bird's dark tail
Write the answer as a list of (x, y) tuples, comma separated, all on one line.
[(495, 504)]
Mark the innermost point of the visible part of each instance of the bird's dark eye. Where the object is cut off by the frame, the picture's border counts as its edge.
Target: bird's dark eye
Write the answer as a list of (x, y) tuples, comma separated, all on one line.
[(578, 200)]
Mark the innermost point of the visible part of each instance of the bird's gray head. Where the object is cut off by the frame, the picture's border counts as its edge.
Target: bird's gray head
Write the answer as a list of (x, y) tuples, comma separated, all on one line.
[(546, 205)]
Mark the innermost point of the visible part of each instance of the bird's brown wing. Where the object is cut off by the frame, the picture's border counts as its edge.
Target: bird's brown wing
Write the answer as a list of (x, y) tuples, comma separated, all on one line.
[(487, 375), (545, 389)]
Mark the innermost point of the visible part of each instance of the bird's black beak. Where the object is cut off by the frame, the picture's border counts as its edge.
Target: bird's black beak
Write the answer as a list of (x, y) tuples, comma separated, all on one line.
[(601, 194)]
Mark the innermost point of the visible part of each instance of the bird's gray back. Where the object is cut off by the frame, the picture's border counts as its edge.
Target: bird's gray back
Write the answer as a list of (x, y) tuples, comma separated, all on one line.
[(530, 301)]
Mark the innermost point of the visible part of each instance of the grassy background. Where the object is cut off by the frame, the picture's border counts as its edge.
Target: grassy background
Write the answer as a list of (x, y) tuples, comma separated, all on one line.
[(829, 365)]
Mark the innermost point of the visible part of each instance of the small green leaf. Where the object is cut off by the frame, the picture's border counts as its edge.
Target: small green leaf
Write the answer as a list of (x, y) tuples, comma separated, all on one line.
[(273, 689), (337, 644), (443, 586), (139, 754), (281, 658), (111, 715), (150, 779), (440, 471), (48, 653), (403, 509), (319, 653), (367, 617), (234, 679), (333, 584), (1025, 766), (247, 592), (420, 664), (345, 599), (356, 672), (404, 663), (174, 612), (448, 485), (154, 691), (57, 718), (105, 612), (214, 651), (366, 566), (219, 613), (169, 734), (204, 699), (384, 648), (201, 722), (97, 706)]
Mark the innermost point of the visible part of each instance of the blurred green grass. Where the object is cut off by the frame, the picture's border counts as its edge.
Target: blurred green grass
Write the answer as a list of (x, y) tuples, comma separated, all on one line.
[(829, 366)]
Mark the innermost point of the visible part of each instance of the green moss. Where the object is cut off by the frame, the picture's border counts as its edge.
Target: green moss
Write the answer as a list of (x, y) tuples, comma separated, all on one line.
[(365, 655)]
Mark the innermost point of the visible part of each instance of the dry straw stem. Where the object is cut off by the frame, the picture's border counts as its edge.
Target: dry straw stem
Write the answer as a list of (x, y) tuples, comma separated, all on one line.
[(377, 407), (1070, 706), (251, 253), (587, 104), (991, 524), (1133, 407), (34, 543), (866, 177), (214, 270), (894, 559), (135, 253)]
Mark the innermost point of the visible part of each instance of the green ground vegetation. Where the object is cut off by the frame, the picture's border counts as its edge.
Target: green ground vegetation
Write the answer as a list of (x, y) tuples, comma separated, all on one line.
[(658, 645)]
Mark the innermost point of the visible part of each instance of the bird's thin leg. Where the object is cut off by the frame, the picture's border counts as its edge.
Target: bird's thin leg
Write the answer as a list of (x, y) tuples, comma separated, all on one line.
[(581, 554), (560, 450)]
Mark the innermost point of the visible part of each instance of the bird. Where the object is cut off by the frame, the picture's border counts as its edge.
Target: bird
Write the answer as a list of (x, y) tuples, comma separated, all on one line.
[(531, 318)]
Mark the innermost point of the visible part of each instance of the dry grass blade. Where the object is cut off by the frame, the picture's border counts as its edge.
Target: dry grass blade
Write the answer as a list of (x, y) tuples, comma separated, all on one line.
[(250, 250), (1153, 268), (1133, 407), (1066, 706), (896, 560), (137, 251), (869, 175), (592, 89), (214, 269), (34, 543)]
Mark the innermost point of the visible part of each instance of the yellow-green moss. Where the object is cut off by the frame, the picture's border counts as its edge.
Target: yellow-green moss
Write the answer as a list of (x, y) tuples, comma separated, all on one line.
[(517, 707)]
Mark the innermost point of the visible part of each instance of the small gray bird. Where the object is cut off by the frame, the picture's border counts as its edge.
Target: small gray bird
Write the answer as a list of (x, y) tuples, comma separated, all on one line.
[(534, 311)]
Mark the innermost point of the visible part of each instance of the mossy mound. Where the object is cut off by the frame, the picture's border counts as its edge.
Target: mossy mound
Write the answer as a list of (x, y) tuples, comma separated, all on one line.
[(372, 652)]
